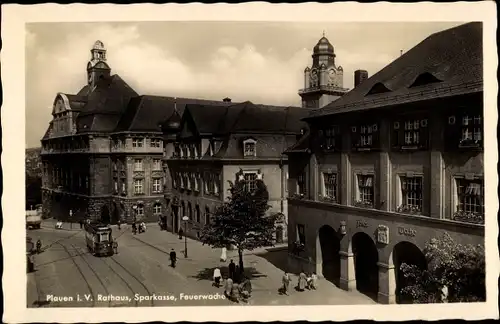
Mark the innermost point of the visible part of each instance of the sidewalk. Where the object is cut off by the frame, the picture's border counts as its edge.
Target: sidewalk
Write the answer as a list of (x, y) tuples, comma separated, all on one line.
[(264, 265), (50, 223)]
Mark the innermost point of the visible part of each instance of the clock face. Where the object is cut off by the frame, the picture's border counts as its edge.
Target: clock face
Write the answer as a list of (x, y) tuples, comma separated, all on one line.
[(331, 72)]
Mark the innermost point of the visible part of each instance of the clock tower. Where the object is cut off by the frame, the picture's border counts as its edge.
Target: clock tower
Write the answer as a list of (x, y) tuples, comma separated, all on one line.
[(97, 68), (323, 81)]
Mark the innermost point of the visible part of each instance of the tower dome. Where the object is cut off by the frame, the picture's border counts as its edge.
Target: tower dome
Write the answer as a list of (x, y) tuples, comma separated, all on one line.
[(98, 45), (323, 47)]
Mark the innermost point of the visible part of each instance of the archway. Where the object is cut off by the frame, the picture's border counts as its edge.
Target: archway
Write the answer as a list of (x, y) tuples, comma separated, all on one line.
[(105, 217), (409, 253), (365, 264), (329, 245), (116, 214)]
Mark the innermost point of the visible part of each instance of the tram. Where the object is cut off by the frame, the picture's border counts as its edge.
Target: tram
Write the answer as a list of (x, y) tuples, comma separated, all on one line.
[(99, 239)]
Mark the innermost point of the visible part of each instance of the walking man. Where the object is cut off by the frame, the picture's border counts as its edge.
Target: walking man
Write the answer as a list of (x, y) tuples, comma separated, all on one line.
[(115, 246), (119, 225), (232, 269), (173, 258)]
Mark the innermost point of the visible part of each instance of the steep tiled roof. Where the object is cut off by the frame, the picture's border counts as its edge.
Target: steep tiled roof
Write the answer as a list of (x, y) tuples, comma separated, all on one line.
[(451, 62), (76, 102), (146, 113)]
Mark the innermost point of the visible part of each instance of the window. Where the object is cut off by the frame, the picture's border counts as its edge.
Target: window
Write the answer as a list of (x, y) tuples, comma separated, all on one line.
[(116, 186), (328, 137), (410, 134), (470, 196), (207, 215), (330, 186), (174, 180), (472, 130), (190, 211), (250, 179), (156, 185), (123, 187), (155, 143), (138, 186), (156, 164), (411, 194), (207, 183), (198, 214), (192, 150), (301, 183), (192, 182), (184, 150), (301, 234), (216, 183), (157, 209), (137, 142), (196, 178), (365, 190), (140, 210), (249, 146), (137, 165), (114, 166), (364, 136)]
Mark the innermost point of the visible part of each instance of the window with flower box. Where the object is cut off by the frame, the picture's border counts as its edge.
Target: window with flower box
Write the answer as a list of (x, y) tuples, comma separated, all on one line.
[(137, 142), (329, 138), (364, 191), (470, 200), (410, 134), (365, 137), (465, 130), (330, 186), (411, 194)]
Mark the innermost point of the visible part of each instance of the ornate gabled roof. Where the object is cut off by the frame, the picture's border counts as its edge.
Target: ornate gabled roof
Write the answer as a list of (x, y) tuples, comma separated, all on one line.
[(454, 57)]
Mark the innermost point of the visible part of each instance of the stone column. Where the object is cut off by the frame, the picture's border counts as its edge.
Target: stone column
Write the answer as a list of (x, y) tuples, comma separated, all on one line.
[(436, 186), (313, 178), (384, 181), (347, 271), (386, 284), (345, 179)]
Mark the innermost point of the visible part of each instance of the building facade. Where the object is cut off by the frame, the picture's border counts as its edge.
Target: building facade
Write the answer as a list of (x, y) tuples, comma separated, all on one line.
[(215, 144), (33, 162), (391, 165)]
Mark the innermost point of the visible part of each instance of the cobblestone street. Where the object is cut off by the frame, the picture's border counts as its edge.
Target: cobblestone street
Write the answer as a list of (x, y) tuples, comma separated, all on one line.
[(142, 267)]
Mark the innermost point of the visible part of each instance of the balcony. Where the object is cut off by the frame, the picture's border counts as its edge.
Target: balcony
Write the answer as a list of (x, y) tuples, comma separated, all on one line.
[(328, 88)]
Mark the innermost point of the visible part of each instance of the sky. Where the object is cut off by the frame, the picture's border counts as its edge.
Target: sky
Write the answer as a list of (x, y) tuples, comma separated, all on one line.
[(260, 62)]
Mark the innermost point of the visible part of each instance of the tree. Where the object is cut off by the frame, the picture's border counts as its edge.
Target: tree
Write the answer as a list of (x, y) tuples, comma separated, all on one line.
[(459, 268), (241, 220), (33, 191)]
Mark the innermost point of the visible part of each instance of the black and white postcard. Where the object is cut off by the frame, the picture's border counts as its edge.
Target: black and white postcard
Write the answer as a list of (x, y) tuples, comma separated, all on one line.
[(245, 157)]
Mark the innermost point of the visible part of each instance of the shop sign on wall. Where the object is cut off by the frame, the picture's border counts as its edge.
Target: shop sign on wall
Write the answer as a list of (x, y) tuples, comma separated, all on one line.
[(361, 223), (407, 231), (383, 234)]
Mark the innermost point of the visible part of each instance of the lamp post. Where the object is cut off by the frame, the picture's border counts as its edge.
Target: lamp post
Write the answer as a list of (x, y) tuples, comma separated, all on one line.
[(70, 219), (185, 219)]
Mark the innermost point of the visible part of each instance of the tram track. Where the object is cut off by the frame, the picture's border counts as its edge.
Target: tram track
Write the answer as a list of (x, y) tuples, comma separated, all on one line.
[(133, 276), (80, 254), (122, 279), (91, 291)]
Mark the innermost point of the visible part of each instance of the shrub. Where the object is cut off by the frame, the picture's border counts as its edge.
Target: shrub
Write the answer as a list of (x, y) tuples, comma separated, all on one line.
[(460, 268)]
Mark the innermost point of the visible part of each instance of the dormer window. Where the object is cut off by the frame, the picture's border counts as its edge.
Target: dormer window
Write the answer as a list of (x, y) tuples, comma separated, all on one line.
[(378, 87), (249, 147), (365, 137), (137, 142), (423, 79)]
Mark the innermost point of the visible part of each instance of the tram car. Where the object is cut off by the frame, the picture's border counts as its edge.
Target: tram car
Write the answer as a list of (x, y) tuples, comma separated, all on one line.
[(99, 239)]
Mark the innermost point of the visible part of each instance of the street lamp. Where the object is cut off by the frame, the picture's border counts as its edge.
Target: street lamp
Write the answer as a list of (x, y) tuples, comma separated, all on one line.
[(185, 219), (70, 219)]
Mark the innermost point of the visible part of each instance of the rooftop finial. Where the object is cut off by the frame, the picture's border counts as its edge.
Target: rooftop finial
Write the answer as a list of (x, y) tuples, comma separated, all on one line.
[(175, 103), (323, 33), (400, 52)]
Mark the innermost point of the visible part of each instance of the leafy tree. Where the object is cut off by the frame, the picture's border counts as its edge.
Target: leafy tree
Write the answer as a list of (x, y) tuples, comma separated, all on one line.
[(33, 191), (241, 220), (461, 268)]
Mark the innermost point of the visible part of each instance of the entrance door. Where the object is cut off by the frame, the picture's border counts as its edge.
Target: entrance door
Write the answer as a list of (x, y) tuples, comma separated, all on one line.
[(365, 262), (329, 247), (105, 217)]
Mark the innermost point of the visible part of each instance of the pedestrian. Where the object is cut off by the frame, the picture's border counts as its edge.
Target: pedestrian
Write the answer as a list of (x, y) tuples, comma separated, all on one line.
[(235, 293), (119, 224), (173, 258), (217, 276), (246, 288), (228, 287), (81, 224), (232, 269), (115, 246), (313, 281), (302, 281), (181, 232), (286, 282), (223, 256)]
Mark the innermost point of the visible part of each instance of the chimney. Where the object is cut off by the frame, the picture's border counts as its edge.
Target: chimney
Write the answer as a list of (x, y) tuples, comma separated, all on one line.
[(359, 77), (226, 99)]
